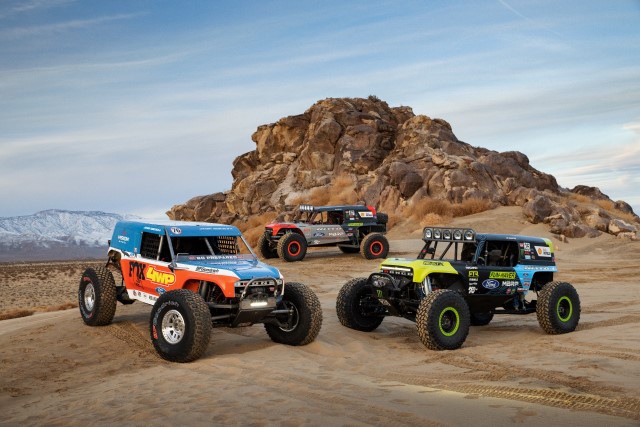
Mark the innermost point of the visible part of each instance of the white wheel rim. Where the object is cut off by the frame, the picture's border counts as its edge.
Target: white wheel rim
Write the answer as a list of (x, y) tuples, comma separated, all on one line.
[(173, 327), (89, 296)]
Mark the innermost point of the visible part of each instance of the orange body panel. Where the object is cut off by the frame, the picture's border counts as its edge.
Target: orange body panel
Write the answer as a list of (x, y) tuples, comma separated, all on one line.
[(156, 278)]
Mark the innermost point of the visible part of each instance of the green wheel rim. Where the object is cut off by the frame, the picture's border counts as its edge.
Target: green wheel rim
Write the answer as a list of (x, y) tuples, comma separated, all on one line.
[(564, 309), (449, 321)]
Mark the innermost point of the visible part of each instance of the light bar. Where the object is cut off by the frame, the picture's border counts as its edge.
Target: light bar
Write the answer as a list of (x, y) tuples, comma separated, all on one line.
[(306, 208), (449, 234)]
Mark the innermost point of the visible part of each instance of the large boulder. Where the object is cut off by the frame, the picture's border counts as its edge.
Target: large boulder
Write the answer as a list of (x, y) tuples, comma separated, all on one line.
[(390, 158)]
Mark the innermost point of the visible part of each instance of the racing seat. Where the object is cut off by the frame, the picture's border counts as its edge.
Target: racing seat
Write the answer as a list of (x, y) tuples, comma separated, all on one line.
[(495, 257)]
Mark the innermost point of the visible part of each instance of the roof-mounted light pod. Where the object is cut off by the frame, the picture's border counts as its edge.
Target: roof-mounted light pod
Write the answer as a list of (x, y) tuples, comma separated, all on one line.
[(449, 234)]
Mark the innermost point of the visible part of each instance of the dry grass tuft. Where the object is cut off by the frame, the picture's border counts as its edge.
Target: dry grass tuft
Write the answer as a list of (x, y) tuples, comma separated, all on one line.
[(433, 219), (580, 198), (470, 207), (254, 227), (63, 306), (14, 314), (393, 220), (339, 192), (607, 205), (429, 210)]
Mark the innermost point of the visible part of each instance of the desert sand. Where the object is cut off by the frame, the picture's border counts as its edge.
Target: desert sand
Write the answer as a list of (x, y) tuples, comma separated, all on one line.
[(56, 371)]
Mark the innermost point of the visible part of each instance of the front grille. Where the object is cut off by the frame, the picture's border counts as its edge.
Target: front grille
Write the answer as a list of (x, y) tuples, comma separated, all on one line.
[(265, 282)]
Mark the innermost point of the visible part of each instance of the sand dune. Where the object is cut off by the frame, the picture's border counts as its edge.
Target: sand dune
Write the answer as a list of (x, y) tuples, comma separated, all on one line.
[(57, 371)]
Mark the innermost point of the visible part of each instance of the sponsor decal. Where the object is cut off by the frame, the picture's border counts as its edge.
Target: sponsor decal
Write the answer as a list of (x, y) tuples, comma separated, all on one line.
[(472, 289), (160, 290), (502, 275), (543, 251), (437, 263), (123, 239), (176, 230), (538, 268), (508, 291), (510, 283), (473, 279), (207, 270), (355, 224), (527, 257), (159, 277), (527, 246), (143, 296), (136, 270), (318, 234), (366, 214), (490, 284), (473, 273), (146, 227)]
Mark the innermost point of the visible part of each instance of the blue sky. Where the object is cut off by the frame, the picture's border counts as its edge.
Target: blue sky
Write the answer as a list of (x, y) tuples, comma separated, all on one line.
[(133, 106)]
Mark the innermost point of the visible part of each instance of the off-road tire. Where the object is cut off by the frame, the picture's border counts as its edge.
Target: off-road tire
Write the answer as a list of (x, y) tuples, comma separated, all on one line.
[(348, 249), (374, 245), (180, 326), (443, 320), (558, 308), (355, 300), (382, 218), (481, 319), (306, 320), (292, 247), (265, 249), (97, 296)]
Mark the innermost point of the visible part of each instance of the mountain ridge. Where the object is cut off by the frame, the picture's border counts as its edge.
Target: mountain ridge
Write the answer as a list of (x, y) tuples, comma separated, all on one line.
[(56, 234)]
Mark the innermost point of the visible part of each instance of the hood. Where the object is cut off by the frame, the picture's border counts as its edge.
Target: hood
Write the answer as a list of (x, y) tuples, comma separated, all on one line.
[(245, 269)]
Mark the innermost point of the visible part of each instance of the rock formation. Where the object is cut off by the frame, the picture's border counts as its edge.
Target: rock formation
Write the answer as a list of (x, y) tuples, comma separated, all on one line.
[(393, 158)]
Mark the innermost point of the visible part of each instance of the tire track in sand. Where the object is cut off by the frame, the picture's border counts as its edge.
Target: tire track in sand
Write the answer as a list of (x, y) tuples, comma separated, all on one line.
[(626, 407), (127, 332)]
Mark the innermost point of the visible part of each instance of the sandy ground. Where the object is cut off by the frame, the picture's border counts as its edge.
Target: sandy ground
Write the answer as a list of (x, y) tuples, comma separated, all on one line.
[(57, 371)]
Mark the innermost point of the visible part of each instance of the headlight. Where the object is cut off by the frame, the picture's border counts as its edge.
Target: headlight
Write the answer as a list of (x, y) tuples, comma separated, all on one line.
[(428, 233)]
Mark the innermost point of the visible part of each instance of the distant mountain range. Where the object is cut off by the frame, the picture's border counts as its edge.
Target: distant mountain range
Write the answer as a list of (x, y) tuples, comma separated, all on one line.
[(56, 235)]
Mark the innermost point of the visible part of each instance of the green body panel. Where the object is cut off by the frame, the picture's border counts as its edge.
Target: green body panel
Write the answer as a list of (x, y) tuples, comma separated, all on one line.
[(421, 267)]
